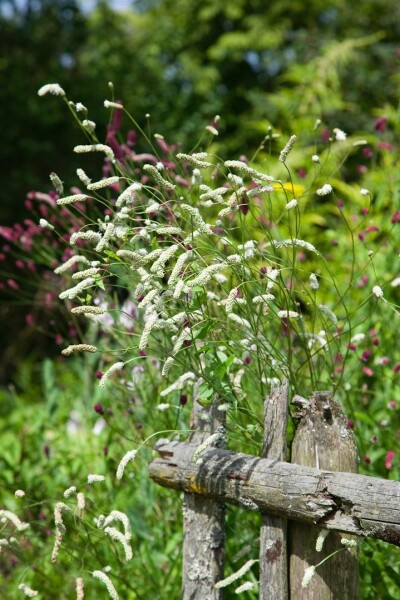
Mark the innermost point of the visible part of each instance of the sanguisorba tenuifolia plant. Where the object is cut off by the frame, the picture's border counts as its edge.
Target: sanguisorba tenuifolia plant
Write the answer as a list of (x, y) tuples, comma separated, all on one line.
[(217, 275), (206, 259)]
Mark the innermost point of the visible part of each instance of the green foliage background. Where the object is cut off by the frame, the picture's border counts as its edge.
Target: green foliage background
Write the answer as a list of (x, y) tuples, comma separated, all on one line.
[(183, 62), (281, 64)]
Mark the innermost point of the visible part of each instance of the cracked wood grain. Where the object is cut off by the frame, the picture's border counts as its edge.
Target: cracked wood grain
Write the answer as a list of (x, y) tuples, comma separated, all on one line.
[(324, 440), (203, 523), (347, 502), (273, 531)]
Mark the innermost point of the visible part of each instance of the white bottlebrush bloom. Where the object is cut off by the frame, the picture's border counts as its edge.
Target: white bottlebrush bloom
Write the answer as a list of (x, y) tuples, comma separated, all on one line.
[(27, 590), (395, 282), (206, 274), (150, 323), (152, 208), (196, 160), (167, 185), (163, 406), (93, 478), (228, 580), (108, 583), (109, 104), (95, 148), (159, 265), (148, 299), (72, 199), (365, 192), (182, 337), (244, 168), (115, 368), (70, 263), (201, 225), (127, 195), (179, 383), (377, 291), (117, 536), (358, 337), (245, 587), (83, 177), (89, 125), (328, 312), (292, 204), (263, 189), (57, 546), (235, 179), (231, 299), (308, 575), (210, 194), (7, 515), (80, 501), (263, 299), (315, 158), (87, 310), (295, 244), (75, 291), (136, 258), (86, 273), (79, 107), (217, 439), (120, 517), (324, 190), (284, 154), (248, 248), (167, 366), (19, 494), (168, 231), (319, 544), (80, 594), (314, 285), (59, 508), (340, 136), (180, 288), (51, 88), (69, 491), (239, 320), (92, 236), (45, 224), (110, 229), (211, 129), (288, 314), (98, 185), (131, 455), (176, 271), (226, 211), (349, 543)]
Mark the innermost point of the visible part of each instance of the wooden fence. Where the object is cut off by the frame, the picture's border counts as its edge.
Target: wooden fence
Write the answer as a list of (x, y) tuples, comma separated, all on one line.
[(318, 490)]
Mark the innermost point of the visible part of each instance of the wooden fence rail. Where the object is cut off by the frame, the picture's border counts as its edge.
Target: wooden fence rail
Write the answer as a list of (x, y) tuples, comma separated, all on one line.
[(311, 498), (356, 504)]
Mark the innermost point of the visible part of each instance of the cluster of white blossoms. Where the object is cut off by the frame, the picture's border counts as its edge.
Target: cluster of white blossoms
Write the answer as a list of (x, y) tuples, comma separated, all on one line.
[(123, 537), (166, 246)]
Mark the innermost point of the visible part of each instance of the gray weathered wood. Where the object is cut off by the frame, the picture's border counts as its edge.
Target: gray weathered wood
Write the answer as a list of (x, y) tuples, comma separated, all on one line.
[(203, 524), (323, 440), (273, 531), (347, 502)]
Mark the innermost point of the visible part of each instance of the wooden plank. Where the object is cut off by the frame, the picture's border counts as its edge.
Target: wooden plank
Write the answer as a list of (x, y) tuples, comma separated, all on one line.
[(347, 502), (323, 440), (203, 523), (273, 531)]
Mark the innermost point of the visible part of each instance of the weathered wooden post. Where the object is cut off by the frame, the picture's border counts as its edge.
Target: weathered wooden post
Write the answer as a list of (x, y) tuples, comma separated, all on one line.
[(203, 523), (322, 440), (273, 532)]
